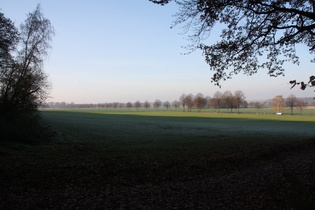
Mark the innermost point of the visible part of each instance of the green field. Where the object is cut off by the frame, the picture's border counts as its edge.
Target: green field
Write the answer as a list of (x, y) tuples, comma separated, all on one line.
[(130, 130), (147, 153), (177, 135)]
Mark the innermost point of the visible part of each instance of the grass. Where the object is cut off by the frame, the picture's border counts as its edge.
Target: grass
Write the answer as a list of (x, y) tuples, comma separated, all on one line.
[(177, 134), (98, 124), (95, 148)]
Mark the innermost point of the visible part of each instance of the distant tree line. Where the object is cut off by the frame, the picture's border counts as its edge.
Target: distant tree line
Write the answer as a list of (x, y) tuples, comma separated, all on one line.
[(225, 101)]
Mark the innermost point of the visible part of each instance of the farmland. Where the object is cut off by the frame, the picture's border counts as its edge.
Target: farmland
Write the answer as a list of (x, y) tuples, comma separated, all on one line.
[(121, 159), (163, 130)]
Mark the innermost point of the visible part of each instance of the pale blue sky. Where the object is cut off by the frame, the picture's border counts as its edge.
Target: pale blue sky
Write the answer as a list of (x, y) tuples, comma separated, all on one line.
[(123, 50)]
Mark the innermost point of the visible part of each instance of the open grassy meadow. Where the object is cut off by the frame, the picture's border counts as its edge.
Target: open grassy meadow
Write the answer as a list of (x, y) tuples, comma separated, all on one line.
[(163, 160), (183, 132)]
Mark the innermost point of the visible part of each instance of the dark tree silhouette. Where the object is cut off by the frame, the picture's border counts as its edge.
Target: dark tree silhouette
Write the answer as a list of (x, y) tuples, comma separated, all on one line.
[(167, 104), (129, 105), (310, 83), (157, 103), (253, 28), (8, 41), (189, 101), (23, 83), (175, 104), (291, 102), (217, 100), (146, 105), (137, 105), (199, 101), (239, 99), (228, 100)]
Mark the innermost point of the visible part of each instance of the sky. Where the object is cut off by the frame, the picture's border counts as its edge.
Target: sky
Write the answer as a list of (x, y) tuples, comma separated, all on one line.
[(122, 50)]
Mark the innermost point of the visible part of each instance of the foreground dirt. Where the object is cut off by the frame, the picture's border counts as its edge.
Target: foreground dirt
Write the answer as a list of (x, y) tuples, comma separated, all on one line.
[(277, 178)]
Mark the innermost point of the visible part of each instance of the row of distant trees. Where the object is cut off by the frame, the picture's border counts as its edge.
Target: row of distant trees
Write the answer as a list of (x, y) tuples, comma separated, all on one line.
[(219, 100), (187, 102)]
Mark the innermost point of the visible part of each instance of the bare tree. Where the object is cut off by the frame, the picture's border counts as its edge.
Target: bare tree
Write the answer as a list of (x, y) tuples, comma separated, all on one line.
[(189, 101), (182, 101), (167, 104), (137, 105), (157, 104), (199, 101), (239, 99), (129, 105), (291, 102), (217, 100), (23, 83), (146, 105), (278, 104), (228, 100), (175, 104)]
